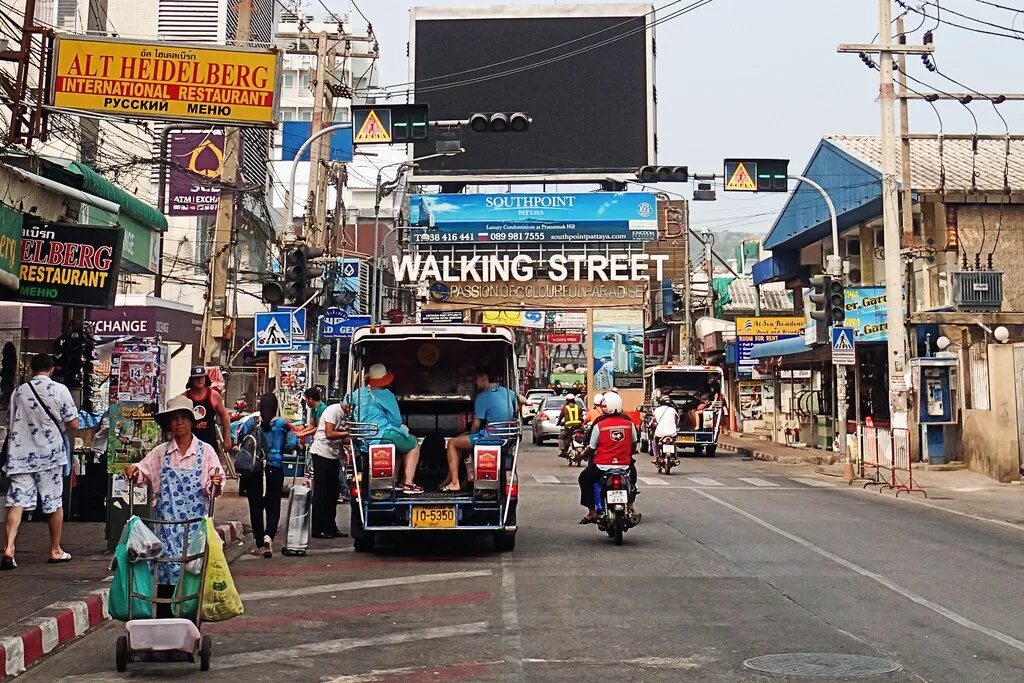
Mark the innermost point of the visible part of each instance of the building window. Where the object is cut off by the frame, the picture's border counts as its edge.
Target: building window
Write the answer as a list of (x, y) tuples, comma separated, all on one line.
[(304, 80), (289, 81), (977, 370), (287, 115), (307, 115)]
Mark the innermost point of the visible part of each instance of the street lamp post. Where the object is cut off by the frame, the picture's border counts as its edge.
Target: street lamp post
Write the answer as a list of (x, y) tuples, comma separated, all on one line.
[(834, 267), (289, 198), (377, 277)]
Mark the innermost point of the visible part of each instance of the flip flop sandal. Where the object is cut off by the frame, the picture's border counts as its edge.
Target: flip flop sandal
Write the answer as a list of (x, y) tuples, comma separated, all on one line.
[(64, 557), (412, 489), (8, 563), (588, 520), (450, 488)]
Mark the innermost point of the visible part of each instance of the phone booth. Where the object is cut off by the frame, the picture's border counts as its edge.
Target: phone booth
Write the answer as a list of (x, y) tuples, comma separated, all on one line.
[(933, 379)]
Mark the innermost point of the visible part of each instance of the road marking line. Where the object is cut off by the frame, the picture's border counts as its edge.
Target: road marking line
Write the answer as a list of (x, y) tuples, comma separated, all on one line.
[(455, 671), (361, 585), (705, 481), (878, 578), (329, 647), (653, 481), (811, 481), (758, 482), (546, 479), (510, 622)]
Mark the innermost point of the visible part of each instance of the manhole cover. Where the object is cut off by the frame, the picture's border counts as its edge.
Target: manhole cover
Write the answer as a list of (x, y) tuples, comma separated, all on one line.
[(822, 665)]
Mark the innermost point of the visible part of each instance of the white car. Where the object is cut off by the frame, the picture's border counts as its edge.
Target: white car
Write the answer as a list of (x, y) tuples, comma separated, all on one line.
[(534, 397)]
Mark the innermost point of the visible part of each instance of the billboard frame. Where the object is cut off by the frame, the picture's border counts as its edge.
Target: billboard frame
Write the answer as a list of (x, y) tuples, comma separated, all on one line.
[(197, 122), (643, 10)]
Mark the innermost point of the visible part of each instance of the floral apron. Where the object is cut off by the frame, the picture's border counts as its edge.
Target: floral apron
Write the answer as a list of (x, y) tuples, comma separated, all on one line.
[(181, 497)]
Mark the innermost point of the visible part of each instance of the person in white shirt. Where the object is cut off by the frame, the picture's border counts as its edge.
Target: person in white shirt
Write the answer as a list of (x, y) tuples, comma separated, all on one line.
[(666, 422), (43, 414), (326, 451)]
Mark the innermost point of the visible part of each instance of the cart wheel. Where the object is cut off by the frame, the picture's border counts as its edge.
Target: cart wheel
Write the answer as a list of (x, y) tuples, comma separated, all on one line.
[(286, 552), (301, 553), (121, 654), (205, 652)]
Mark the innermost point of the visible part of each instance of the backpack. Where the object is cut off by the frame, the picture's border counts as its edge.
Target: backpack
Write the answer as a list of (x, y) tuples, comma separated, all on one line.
[(252, 449)]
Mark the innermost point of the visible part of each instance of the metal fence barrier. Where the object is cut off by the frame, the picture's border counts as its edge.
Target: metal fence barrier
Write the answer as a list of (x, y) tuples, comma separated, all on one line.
[(885, 460)]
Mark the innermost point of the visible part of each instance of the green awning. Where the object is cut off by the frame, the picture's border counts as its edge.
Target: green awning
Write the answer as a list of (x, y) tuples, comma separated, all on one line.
[(84, 178), (10, 246)]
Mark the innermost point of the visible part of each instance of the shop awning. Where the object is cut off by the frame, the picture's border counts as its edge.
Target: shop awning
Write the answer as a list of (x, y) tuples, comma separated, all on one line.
[(79, 175), (782, 347)]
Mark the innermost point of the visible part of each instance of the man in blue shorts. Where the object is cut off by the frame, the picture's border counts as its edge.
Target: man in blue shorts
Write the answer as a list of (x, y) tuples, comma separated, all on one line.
[(494, 403)]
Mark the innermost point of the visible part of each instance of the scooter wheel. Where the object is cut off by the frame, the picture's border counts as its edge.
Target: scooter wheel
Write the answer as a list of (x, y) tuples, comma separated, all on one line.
[(205, 653)]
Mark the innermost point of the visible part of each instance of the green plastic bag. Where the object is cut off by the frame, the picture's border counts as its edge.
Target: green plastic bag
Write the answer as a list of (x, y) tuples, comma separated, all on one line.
[(143, 579)]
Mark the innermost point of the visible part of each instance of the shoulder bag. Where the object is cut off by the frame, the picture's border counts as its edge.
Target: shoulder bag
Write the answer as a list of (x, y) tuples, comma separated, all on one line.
[(252, 449)]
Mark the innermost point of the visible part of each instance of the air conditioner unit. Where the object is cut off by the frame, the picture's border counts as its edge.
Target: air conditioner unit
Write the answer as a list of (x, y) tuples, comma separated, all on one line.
[(978, 290)]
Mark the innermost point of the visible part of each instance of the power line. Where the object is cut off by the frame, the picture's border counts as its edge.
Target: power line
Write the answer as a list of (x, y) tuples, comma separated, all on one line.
[(939, 21)]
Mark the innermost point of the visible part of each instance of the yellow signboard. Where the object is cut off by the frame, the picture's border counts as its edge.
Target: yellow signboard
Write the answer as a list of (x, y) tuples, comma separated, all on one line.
[(741, 180), (152, 80), (372, 130), (758, 327)]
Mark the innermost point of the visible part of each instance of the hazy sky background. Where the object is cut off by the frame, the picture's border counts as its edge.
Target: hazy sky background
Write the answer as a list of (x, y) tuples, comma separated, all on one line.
[(763, 78)]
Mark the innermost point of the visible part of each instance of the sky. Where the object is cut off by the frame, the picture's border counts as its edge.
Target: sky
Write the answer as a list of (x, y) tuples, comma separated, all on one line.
[(749, 78)]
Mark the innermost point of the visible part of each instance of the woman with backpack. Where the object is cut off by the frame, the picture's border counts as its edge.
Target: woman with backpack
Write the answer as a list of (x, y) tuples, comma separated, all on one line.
[(268, 436)]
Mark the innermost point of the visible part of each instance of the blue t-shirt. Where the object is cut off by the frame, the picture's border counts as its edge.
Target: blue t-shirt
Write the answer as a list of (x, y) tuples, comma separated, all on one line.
[(376, 406), (496, 404)]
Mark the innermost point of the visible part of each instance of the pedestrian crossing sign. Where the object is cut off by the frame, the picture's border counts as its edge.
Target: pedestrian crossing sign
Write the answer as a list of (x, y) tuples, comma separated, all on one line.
[(844, 346), (739, 179), (273, 331), (375, 127)]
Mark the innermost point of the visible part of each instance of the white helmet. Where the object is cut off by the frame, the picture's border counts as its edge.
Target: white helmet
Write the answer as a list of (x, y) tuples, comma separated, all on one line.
[(570, 397), (599, 400), (612, 403)]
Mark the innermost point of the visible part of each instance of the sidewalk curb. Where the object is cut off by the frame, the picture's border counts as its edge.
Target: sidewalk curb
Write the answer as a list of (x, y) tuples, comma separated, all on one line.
[(62, 622), (810, 458)]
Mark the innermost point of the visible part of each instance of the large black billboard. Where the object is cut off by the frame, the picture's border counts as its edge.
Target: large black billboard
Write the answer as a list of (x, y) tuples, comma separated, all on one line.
[(591, 103)]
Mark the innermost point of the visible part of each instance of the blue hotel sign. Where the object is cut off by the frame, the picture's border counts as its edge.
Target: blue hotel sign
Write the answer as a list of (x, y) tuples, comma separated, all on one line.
[(534, 217)]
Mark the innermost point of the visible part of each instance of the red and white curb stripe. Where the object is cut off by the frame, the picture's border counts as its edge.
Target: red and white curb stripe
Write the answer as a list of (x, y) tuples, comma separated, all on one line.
[(62, 622)]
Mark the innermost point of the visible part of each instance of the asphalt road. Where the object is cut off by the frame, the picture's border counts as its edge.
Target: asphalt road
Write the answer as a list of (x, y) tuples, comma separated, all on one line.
[(735, 559)]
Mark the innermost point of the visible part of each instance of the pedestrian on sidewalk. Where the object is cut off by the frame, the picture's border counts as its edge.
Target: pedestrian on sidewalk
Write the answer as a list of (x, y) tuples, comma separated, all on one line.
[(42, 416), (185, 472), (316, 407), (265, 500), (327, 463)]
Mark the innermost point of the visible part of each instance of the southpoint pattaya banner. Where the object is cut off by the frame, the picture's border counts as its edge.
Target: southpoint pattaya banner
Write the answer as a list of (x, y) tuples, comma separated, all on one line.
[(540, 217), (154, 80)]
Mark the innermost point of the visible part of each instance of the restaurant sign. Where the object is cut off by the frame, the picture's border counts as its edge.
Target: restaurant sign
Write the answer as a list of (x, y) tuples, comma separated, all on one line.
[(69, 264), (165, 81)]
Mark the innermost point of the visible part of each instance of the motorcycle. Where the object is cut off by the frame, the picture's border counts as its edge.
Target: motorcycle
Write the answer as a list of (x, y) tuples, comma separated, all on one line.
[(612, 494), (574, 454), (666, 458)]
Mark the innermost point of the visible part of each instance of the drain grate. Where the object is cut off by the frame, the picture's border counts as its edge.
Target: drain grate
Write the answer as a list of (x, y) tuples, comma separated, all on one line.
[(822, 665)]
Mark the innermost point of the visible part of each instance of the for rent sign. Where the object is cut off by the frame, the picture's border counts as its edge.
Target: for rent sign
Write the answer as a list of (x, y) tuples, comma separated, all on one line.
[(69, 264), (152, 80)]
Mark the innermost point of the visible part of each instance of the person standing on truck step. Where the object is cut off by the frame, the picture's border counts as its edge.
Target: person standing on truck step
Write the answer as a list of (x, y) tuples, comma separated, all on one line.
[(377, 405), (326, 453), (209, 406), (494, 404)]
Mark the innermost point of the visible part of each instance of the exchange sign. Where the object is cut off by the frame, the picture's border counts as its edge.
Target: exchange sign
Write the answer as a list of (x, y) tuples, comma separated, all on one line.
[(155, 80)]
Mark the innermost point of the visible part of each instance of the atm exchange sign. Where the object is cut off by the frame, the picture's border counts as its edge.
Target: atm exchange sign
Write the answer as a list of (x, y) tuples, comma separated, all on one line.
[(155, 80)]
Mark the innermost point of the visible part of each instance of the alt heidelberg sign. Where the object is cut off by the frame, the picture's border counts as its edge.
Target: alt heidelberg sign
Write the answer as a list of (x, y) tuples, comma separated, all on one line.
[(69, 264), (156, 80)]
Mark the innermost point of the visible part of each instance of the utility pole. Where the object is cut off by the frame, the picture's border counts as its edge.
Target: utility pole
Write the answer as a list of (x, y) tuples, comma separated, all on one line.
[(894, 273), (709, 265), (215, 315), (905, 198), (320, 152)]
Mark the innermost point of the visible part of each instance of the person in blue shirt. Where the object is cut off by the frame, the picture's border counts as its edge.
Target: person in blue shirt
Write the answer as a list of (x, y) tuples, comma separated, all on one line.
[(494, 403), (275, 435), (376, 404)]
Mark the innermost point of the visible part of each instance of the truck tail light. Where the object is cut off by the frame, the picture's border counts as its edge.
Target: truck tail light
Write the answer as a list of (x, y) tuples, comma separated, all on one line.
[(512, 490)]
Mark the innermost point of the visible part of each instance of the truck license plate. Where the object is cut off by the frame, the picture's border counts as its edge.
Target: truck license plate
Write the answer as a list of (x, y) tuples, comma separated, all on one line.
[(618, 497), (687, 438), (433, 516)]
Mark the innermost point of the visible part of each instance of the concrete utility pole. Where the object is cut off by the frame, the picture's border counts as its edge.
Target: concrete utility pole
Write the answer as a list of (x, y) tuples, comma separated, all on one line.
[(320, 152), (894, 273), (215, 317)]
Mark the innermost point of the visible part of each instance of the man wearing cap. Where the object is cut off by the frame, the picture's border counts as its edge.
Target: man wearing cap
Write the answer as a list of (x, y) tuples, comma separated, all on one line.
[(208, 407), (185, 473), (377, 405)]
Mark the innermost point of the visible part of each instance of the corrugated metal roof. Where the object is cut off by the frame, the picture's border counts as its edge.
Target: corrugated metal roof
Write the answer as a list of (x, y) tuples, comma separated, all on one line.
[(742, 293), (957, 158)]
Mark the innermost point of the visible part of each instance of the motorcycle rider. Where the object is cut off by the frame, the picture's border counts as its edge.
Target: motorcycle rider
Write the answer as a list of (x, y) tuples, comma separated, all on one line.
[(666, 423), (613, 442), (570, 418), (595, 412)]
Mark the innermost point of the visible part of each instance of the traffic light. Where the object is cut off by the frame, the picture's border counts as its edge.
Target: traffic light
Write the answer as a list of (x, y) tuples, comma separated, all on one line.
[(663, 174), (756, 175), (409, 122), (499, 122), (68, 358), (273, 292), (829, 298), (300, 273)]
